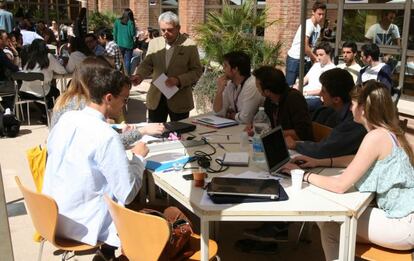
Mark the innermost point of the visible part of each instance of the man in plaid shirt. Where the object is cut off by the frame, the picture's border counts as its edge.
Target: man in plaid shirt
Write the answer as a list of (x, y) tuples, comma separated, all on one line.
[(106, 39)]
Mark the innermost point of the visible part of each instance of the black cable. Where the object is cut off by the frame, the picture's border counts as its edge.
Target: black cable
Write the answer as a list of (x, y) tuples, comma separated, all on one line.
[(204, 160)]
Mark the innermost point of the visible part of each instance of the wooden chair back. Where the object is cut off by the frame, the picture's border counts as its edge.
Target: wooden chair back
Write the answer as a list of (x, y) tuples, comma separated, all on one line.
[(320, 131), (143, 236), (43, 211), (372, 252)]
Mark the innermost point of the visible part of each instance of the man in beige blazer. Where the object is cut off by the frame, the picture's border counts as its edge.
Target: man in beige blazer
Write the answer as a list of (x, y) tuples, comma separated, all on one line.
[(175, 55)]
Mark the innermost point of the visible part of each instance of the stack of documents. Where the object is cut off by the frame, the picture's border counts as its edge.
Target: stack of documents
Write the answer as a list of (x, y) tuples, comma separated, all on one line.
[(215, 121), (236, 159)]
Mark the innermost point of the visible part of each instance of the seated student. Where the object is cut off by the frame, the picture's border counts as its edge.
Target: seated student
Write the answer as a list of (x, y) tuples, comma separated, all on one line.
[(237, 97), (6, 68), (347, 135), (311, 84), (386, 170), (283, 105), (374, 69), (40, 60), (92, 43), (77, 53), (86, 160), (77, 96), (349, 52), (105, 38)]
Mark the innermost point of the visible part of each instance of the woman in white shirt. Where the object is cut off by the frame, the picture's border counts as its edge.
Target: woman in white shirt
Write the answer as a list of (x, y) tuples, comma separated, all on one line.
[(40, 60)]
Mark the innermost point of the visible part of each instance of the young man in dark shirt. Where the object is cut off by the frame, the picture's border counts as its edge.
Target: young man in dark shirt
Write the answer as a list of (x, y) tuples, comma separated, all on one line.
[(347, 135), (283, 105)]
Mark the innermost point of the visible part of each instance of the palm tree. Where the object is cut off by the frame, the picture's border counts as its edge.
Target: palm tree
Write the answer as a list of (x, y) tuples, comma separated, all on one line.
[(235, 29), (232, 29)]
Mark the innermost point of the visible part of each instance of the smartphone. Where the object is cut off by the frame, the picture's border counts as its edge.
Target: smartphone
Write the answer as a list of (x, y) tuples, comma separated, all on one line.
[(188, 176)]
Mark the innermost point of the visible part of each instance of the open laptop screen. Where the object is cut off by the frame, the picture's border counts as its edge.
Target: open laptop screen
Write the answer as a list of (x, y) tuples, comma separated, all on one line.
[(275, 149)]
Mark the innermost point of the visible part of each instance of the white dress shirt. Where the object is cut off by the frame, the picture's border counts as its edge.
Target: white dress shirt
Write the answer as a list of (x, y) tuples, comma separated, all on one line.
[(29, 36), (86, 160), (244, 100)]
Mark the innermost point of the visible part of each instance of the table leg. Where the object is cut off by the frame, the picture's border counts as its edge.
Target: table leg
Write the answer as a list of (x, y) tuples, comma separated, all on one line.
[(352, 237), (204, 239), (344, 240)]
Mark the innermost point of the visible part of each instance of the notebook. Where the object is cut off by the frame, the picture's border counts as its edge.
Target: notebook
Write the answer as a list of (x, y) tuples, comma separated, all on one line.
[(275, 149), (236, 159), (215, 121)]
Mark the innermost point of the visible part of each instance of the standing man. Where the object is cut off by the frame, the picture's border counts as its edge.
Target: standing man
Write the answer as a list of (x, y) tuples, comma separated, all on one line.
[(374, 69), (349, 51), (86, 160), (313, 31), (175, 55), (6, 18), (237, 97), (384, 32)]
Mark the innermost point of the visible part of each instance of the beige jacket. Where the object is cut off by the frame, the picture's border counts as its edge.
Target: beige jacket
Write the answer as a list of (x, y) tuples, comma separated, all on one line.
[(184, 64)]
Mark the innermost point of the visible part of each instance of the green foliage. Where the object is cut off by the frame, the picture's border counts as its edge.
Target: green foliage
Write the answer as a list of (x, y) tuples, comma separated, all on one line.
[(205, 90), (234, 29), (101, 20), (354, 25)]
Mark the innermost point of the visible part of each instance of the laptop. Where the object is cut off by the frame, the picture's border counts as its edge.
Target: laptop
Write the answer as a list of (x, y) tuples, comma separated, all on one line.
[(275, 149), (277, 153), (177, 127)]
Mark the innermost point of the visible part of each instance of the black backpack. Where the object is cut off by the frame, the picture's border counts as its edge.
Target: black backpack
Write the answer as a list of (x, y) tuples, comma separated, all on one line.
[(9, 125)]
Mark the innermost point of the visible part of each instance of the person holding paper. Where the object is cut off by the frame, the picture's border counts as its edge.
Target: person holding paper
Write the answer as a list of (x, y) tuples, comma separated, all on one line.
[(175, 55), (237, 97)]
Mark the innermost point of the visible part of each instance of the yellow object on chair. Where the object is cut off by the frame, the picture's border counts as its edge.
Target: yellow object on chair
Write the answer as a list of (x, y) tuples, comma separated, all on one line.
[(36, 157)]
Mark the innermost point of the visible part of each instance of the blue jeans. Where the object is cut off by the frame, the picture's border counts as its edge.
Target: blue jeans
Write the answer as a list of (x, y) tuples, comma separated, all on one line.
[(127, 54), (314, 103), (292, 70)]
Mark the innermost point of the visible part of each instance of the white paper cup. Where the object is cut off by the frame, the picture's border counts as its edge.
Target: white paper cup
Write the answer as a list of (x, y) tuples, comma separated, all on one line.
[(297, 178)]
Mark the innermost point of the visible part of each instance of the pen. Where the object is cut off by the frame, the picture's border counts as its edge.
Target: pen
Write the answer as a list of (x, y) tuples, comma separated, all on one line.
[(167, 170), (221, 146), (206, 132)]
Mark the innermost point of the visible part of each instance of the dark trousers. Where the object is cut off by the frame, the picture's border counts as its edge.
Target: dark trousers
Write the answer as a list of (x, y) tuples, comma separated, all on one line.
[(292, 69), (127, 55), (161, 113)]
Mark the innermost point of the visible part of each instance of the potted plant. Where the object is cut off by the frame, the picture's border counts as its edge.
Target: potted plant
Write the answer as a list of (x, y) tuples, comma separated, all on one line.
[(232, 29)]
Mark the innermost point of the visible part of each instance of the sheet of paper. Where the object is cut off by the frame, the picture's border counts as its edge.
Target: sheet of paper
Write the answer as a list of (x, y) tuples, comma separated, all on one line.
[(148, 138), (160, 84)]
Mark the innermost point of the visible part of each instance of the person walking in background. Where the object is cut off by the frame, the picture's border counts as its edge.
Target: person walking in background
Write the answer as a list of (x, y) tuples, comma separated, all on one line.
[(313, 30), (124, 35), (176, 55), (6, 18)]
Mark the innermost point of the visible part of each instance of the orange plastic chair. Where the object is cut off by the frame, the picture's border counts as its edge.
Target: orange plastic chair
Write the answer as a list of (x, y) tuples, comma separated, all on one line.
[(149, 232), (320, 131), (44, 214), (372, 252)]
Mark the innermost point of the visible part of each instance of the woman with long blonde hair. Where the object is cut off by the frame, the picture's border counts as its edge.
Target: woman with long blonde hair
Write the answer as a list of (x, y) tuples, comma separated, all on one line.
[(383, 165), (76, 97)]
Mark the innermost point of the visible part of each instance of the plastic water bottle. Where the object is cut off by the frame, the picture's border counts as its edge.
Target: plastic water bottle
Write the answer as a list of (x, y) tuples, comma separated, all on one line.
[(261, 124)]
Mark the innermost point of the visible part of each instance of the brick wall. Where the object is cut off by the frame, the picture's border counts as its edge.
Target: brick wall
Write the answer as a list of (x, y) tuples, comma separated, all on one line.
[(105, 5), (191, 13), (141, 13)]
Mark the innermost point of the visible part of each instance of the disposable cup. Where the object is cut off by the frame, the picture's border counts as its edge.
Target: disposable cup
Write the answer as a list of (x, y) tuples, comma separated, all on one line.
[(199, 178), (297, 178), (244, 140)]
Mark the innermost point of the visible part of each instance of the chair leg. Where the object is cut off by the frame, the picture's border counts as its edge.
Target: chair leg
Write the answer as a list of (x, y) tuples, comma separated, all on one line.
[(39, 257), (28, 112), (300, 232)]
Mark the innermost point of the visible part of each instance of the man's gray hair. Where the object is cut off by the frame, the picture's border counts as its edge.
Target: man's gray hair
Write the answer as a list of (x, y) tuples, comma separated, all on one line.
[(169, 18)]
